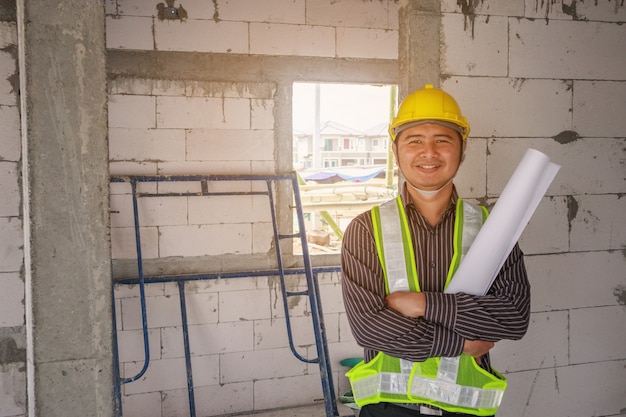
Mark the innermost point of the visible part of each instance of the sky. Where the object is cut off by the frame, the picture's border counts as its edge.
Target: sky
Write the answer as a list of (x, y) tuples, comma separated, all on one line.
[(357, 106)]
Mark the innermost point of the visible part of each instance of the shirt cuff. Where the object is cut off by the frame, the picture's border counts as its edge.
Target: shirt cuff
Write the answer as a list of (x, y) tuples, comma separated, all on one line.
[(446, 343)]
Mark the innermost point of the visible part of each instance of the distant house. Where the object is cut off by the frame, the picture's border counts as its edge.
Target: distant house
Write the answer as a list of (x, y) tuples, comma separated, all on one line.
[(340, 146)]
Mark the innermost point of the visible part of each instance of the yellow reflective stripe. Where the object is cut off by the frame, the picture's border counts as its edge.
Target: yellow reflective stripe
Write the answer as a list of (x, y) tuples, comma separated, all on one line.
[(473, 216), (378, 239), (409, 252), (434, 382), (469, 220), (456, 395), (387, 382), (456, 242), (475, 391), (395, 249), (448, 369)]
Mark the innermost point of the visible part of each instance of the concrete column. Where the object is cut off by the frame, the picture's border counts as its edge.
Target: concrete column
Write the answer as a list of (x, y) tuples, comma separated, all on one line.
[(67, 249), (419, 45)]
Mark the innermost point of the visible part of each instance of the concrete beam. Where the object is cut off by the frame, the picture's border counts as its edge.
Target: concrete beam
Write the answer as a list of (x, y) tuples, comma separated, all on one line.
[(250, 68)]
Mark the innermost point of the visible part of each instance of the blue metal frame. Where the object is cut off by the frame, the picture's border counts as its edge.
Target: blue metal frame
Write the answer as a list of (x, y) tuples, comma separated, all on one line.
[(312, 290)]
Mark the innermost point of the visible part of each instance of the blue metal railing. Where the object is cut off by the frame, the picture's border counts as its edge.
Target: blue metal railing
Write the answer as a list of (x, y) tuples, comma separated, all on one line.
[(310, 273)]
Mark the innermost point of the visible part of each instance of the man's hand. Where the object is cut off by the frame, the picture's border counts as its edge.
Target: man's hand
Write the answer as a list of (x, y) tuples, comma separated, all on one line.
[(410, 304), (477, 348)]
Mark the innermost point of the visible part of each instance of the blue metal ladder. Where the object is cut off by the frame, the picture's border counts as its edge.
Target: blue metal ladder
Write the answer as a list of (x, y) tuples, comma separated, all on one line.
[(310, 273)]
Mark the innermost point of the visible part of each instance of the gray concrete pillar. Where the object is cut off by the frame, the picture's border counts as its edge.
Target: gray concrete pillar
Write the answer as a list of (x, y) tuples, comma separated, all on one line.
[(418, 45), (66, 217)]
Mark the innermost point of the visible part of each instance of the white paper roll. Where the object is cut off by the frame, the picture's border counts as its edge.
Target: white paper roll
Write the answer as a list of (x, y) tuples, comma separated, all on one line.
[(504, 226)]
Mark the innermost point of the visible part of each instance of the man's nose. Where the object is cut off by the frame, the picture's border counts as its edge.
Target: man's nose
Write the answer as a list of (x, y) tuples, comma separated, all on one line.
[(429, 149)]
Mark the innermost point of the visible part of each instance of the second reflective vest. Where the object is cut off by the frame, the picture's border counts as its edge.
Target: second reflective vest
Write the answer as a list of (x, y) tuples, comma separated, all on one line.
[(455, 384)]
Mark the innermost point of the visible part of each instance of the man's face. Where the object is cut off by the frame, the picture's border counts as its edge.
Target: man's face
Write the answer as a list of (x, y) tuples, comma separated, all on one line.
[(428, 155)]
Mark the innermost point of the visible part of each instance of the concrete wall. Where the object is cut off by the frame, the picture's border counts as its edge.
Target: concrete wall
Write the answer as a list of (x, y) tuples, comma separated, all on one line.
[(547, 75)]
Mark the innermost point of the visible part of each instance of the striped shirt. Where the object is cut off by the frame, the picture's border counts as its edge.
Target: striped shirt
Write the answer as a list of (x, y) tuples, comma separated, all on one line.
[(449, 319)]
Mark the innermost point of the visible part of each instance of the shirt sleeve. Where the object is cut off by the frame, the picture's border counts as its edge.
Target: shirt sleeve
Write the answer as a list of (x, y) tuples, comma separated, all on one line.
[(503, 313), (374, 326)]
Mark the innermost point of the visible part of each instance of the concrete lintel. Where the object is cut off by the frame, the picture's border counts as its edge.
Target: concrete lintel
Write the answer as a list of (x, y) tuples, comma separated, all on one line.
[(256, 68)]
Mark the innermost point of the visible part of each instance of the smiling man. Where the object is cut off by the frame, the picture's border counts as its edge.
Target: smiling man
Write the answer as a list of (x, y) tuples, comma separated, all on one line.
[(426, 352)]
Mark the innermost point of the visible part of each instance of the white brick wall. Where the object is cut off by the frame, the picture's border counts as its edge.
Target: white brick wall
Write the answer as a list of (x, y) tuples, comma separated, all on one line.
[(536, 74), (12, 312), (268, 27), (513, 107), (130, 32), (362, 14), (598, 224), (271, 11), (238, 347), (588, 166), (558, 388), (576, 278), (276, 39), (483, 53), (13, 395), (11, 300), (568, 50), (10, 148), (496, 8), (596, 108), (230, 145), (9, 189), (147, 144), (186, 128), (367, 43), (132, 111)]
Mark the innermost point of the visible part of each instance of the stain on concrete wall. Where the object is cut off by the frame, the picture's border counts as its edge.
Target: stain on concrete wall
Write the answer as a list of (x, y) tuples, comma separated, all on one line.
[(468, 8), (216, 12), (566, 136), (9, 352), (572, 210), (620, 294), (549, 5), (570, 9), (170, 12), (7, 10), (13, 79)]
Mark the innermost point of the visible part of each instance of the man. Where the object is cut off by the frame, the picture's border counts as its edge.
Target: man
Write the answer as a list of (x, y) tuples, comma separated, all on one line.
[(397, 309)]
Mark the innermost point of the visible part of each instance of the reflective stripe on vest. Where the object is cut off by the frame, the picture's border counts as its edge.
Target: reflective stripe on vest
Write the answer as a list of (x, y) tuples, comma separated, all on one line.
[(435, 381)]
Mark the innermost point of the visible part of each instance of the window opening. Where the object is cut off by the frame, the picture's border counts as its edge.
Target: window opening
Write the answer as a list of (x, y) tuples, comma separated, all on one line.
[(342, 154)]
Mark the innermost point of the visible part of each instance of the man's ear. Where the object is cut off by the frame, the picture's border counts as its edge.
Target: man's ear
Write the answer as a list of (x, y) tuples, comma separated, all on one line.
[(463, 148), (394, 148)]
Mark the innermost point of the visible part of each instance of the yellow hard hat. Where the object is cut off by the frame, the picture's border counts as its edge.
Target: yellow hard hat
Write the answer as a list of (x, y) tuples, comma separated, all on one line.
[(429, 104)]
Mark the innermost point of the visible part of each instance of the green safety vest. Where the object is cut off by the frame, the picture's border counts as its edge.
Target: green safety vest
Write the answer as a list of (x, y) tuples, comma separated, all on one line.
[(455, 384)]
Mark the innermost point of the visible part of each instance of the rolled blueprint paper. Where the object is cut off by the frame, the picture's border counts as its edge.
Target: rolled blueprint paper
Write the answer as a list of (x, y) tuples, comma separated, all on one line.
[(505, 224)]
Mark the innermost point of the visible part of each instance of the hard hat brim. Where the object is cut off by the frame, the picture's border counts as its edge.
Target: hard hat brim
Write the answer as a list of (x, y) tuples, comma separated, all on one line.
[(460, 129)]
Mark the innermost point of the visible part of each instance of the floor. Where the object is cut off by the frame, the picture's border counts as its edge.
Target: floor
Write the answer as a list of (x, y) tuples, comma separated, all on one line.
[(317, 410)]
